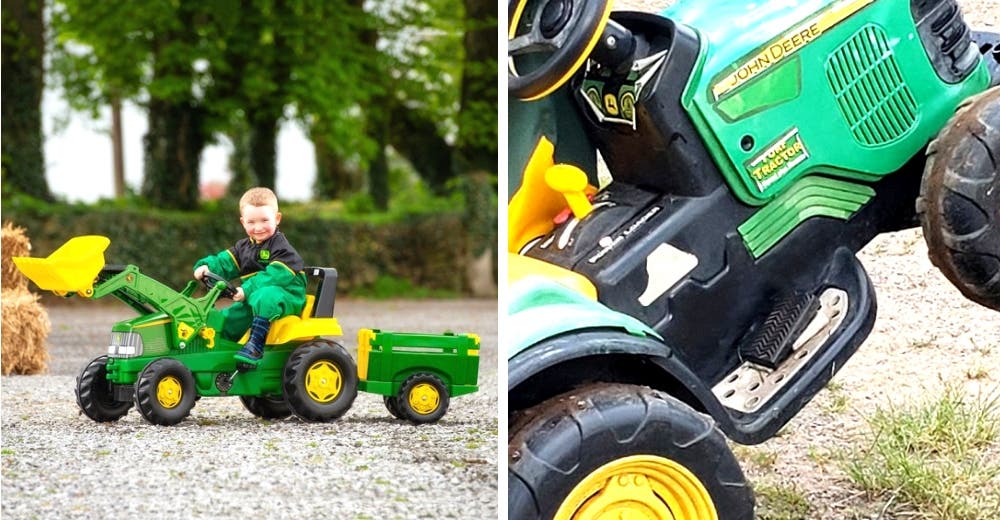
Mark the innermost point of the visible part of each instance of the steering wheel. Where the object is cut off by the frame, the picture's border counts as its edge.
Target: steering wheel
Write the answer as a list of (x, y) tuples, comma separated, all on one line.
[(209, 279), (565, 29)]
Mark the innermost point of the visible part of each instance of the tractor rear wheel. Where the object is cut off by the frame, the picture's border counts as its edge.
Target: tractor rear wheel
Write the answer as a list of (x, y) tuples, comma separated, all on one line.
[(266, 407), (423, 398), (392, 406), (165, 392), (94, 395), (959, 204), (320, 381), (621, 451)]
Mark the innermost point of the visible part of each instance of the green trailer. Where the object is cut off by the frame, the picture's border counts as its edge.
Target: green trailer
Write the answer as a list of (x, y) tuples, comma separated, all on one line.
[(417, 373)]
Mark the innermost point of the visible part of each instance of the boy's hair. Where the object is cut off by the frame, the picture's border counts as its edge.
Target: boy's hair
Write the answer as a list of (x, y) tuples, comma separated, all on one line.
[(259, 197)]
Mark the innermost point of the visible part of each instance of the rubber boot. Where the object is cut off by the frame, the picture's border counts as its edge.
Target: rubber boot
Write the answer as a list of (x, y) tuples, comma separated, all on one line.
[(253, 351)]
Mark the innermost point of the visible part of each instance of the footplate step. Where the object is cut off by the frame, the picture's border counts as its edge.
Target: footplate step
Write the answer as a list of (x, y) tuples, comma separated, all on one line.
[(772, 342)]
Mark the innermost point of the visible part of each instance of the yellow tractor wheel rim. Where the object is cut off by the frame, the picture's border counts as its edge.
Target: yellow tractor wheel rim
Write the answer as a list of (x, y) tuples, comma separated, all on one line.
[(323, 381), (639, 487), (424, 398), (169, 392)]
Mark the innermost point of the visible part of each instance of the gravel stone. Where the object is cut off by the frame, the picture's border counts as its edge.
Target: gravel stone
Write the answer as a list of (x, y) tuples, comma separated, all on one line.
[(222, 462)]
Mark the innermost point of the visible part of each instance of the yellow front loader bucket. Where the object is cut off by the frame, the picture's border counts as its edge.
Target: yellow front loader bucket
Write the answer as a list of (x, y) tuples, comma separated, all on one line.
[(71, 268)]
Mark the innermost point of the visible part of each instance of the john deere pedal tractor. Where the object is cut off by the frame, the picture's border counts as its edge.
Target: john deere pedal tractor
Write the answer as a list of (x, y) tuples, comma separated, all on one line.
[(703, 284)]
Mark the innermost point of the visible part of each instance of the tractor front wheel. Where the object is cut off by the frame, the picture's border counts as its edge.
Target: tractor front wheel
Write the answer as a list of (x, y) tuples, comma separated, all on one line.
[(622, 451), (165, 392), (422, 399), (266, 407), (959, 204), (320, 381), (94, 395)]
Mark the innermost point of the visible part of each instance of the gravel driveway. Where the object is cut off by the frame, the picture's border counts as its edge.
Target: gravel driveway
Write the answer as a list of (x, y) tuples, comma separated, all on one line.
[(222, 462)]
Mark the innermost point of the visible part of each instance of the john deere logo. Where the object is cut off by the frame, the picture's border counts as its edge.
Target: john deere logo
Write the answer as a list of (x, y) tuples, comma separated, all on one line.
[(265, 254)]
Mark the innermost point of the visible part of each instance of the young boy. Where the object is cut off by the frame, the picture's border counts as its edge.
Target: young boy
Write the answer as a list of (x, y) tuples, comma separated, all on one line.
[(274, 284)]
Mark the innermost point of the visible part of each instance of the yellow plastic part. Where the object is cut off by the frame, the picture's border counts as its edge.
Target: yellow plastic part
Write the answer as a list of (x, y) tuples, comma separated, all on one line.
[(424, 398), (520, 267), (638, 487), (169, 392), (184, 331), (292, 328), (365, 337), (208, 334), (572, 183), (474, 353), (323, 381), (535, 203), (71, 268)]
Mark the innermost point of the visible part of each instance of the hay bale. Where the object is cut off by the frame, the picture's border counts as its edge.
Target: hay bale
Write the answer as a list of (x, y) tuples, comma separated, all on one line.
[(14, 243), (25, 328)]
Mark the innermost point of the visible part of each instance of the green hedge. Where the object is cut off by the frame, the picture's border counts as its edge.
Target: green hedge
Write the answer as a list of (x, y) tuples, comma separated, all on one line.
[(426, 249)]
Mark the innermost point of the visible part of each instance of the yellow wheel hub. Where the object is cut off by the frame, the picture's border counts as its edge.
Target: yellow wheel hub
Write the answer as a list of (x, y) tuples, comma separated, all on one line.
[(169, 392), (637, 488), (424, 398), (323, 381)]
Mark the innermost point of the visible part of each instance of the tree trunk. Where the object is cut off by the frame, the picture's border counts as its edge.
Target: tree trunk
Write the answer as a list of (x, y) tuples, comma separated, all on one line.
[(335, 179), (172, 149), (263, 151), (417, 139), (23, 159), (117, 149), (476, 149)]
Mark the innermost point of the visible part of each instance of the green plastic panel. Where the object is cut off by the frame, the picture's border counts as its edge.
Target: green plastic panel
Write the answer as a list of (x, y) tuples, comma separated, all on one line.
[(868, 98), (809, 197)]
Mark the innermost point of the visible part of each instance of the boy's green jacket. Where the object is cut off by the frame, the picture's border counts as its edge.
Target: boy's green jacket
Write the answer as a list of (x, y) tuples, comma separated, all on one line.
[(271, 263)]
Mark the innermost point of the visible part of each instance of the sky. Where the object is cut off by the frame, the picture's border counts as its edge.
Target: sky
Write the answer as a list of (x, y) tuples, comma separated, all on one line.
[(78, 160)]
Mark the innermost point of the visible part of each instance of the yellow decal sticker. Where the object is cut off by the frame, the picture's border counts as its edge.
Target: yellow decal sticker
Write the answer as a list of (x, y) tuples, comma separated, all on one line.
[(779, 158), (788, 44), (611, 104)]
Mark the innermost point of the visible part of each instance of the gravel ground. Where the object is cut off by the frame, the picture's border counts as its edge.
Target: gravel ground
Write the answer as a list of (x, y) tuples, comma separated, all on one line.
[(224, 462)]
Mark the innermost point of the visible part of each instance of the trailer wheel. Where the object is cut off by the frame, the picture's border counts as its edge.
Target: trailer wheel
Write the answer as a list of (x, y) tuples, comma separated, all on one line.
[(423, 398), (266, 407), (165, 392), (392, 406), (959, 204), (320, 381), (611, 450), (94, 395)]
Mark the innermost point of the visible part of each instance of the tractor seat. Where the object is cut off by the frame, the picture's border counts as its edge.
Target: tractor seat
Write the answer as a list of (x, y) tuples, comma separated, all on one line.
[(318, 307)]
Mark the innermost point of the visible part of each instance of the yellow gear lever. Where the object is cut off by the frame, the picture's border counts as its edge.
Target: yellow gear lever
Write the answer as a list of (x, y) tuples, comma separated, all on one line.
[(571, 182)]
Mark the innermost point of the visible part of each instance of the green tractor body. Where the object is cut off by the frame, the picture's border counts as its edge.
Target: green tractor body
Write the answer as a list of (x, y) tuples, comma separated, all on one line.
[(708, 268)]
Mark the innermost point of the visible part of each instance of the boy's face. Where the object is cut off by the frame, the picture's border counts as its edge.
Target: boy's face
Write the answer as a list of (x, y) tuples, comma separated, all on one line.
[(259, 222)]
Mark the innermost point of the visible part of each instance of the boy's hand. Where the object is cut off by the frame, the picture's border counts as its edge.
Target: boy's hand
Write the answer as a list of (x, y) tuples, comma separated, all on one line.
[(238, 297), (200, 272)]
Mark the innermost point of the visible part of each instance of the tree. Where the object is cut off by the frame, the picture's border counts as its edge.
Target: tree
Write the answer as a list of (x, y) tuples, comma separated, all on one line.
[(23, 43), (477, 119)]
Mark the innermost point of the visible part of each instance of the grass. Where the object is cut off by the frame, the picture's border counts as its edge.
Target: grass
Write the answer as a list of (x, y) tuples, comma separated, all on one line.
[(387, 287), (932, 459), (780, 502)]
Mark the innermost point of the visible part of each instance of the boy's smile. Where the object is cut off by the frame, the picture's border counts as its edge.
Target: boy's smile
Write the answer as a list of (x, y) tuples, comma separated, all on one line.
[(260, 222)]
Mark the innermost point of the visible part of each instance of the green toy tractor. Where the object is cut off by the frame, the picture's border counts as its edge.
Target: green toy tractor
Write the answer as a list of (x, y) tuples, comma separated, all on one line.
[(688, 193), (170, 356)]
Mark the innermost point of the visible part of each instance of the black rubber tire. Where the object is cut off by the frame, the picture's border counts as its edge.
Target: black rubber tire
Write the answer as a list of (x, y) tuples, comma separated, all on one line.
[(146, 385), (266, 407), (959, 204), (391, 405), (408, 413), (294, 380), (553, 446), (94, 395)]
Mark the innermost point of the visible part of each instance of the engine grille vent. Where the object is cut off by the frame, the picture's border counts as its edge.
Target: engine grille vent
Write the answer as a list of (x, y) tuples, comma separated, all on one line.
[(872, 96)]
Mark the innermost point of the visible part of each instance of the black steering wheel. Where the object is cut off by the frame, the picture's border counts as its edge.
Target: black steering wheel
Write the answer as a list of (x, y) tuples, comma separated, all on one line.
[(209, 279), (565, 29)]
